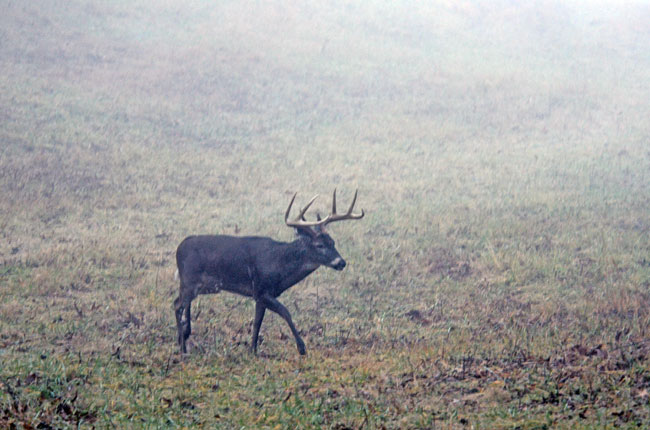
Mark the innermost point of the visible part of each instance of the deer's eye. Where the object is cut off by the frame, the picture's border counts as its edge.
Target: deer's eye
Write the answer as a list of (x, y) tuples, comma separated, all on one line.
[(320, 246)]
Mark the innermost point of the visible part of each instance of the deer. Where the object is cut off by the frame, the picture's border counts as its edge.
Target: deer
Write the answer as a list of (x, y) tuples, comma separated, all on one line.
[(257, 267)]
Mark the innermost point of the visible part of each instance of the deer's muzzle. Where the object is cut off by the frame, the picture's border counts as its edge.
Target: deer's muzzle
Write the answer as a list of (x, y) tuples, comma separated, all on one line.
[(338, 263)]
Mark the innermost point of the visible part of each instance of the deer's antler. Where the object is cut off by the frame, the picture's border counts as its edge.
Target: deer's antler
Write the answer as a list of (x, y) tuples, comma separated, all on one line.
[(333, 216)]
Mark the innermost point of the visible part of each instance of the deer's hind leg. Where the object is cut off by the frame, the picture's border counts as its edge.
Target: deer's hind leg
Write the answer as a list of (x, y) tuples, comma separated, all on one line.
[(182, 306), (178, 312)]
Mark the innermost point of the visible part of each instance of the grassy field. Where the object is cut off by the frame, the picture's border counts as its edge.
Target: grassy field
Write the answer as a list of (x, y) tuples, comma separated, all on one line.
[(501, 276)]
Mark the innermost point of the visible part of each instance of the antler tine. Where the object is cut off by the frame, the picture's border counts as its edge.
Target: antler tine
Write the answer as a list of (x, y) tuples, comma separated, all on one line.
[(354, 200), (286, 214), (300, 219), (304, 210), (348, 215)]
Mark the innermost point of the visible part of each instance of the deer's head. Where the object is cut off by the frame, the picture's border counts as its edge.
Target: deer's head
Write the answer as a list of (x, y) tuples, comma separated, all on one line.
[(318, 243)]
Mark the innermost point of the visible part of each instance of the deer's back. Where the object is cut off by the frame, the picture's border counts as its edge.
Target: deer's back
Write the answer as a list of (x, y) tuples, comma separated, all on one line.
[(229, 259)]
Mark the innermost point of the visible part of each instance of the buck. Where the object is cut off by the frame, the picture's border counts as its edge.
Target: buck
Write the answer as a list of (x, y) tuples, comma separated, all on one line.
[(257, 267)]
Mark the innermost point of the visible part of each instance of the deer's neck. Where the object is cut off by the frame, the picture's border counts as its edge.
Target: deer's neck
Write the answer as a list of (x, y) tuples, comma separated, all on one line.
[(296, 264)]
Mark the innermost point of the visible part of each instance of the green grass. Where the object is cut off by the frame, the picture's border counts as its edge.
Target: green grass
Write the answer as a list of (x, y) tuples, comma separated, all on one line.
[(501, 276)]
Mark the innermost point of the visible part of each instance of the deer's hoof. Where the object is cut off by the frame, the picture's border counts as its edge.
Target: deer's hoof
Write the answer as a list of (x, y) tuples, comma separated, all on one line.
[(301, 348)]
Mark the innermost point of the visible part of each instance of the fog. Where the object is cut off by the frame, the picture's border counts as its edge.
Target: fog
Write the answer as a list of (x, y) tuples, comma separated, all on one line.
[(293, 68), (499, 277)]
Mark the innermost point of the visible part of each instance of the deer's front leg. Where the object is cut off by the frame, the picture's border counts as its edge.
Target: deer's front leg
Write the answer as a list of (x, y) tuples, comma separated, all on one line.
[(260, 309), (273, 304)]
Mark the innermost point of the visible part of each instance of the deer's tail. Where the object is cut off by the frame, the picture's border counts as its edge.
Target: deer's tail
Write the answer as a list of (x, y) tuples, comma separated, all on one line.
[(177, 275)]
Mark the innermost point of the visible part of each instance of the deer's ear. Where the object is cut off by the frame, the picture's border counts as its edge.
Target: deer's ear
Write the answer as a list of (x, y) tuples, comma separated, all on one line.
[(318, 229), (307, 232)]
